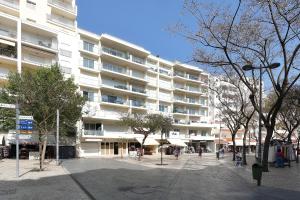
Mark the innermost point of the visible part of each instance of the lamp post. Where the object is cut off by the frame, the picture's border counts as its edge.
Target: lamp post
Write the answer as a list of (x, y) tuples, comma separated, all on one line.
[(251, 67)]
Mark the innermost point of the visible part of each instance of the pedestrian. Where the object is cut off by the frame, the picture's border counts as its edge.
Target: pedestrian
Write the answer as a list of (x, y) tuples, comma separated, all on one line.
[(279, 158), (176, 153), (238, 159), (200, 152)]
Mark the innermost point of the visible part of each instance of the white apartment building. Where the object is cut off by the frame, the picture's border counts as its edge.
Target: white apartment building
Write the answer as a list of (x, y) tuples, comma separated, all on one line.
[(116, 76)]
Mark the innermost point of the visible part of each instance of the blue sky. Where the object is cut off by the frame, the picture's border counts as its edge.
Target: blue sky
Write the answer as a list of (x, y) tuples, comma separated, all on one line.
[(140, 22)]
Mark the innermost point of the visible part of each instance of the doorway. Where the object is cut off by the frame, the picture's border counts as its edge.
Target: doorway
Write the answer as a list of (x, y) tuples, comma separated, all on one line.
[(116, 148)]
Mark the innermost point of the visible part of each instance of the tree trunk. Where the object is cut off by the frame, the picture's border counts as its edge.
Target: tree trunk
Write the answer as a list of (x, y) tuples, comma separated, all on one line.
[(244, 146), (298, 146), (266, 149), (161, 153), (233, 147)]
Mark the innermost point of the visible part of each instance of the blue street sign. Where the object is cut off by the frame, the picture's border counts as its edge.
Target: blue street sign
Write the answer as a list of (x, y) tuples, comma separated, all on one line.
[(26, 125)]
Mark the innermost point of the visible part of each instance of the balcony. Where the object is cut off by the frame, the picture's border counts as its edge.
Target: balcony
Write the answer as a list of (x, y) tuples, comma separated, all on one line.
[(92, 133), (89, 47), (63, 5), (138, 90), (179, 74), (34, 60), (10, 3), (193, 77), (164, 72), (138, 60), (180, 111), (8, 51), (8, 32), (114, 68), (49, 43), (113, 99), (61, 21), (116, 53), (138, 104)]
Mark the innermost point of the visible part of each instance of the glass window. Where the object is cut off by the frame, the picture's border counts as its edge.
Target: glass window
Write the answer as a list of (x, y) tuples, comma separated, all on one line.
[(163, 108), (89, 63), (88, 46), (88, 95)]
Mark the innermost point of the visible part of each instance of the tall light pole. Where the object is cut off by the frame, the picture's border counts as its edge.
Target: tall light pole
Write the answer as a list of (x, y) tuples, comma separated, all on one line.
[(251, 67)]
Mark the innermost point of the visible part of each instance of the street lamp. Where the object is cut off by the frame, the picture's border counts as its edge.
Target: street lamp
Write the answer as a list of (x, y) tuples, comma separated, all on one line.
[(251, 67)]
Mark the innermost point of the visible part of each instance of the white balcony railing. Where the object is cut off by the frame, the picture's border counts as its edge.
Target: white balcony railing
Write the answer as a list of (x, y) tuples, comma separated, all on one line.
[(63, 5), (10, 3), (93, 133), (7, 32), (36, 60), (61, 20), (40, 41)]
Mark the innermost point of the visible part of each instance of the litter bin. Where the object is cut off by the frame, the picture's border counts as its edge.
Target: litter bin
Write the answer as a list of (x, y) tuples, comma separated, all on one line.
[(257, 173), (218, 155)]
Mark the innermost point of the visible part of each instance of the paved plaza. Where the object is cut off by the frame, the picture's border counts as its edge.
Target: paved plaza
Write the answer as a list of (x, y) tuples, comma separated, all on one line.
[(190, 177)]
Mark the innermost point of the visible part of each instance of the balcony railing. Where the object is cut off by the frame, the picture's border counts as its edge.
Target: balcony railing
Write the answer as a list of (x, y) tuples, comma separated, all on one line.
[(136, 103), (180, 74), (193, 77), (139, 90), (61, 20), (115, 52), (44, 42), (113, 99), (63, 5), (182, 111), (40, 61), (138, 60), (161, 71), (93, 133), (5, 31), (10, 3), (123, 87), (114, 68)]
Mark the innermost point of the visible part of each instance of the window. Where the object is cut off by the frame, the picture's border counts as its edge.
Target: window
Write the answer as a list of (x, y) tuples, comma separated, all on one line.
[(88, 46), (92, 128), (89, 63), (88, 95), (203, 133), (163, 108), (193, 132)]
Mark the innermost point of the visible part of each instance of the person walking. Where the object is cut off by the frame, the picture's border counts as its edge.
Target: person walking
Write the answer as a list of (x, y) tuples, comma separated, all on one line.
[(176, 153), (279, 158), (200, 152)]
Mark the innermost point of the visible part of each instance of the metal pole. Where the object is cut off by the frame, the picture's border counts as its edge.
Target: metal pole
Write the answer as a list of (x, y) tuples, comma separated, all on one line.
[(220, 137), (260, 113), (17, 138), (57, 137), (19, 69)]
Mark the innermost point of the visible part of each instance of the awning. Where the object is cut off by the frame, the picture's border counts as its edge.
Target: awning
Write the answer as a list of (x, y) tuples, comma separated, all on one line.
[(177, 142), (148, 141)]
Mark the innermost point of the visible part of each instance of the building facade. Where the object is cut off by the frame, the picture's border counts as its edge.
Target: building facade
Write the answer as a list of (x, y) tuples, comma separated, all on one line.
[(116, 76)]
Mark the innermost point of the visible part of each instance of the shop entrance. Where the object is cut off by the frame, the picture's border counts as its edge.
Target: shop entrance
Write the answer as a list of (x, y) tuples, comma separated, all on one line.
[(116, 148)]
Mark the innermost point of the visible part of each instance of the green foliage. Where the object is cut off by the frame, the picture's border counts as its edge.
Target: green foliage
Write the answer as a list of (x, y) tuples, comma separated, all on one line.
[(7, 115), (149, 123), (40, 93)]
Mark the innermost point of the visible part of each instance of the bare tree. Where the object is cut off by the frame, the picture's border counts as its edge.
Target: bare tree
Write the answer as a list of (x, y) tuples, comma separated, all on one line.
[(256, 32), (231, 105)]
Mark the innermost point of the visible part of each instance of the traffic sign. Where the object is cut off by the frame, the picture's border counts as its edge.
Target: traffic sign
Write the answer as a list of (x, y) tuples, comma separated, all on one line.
[(6, 105), (28, 117)]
